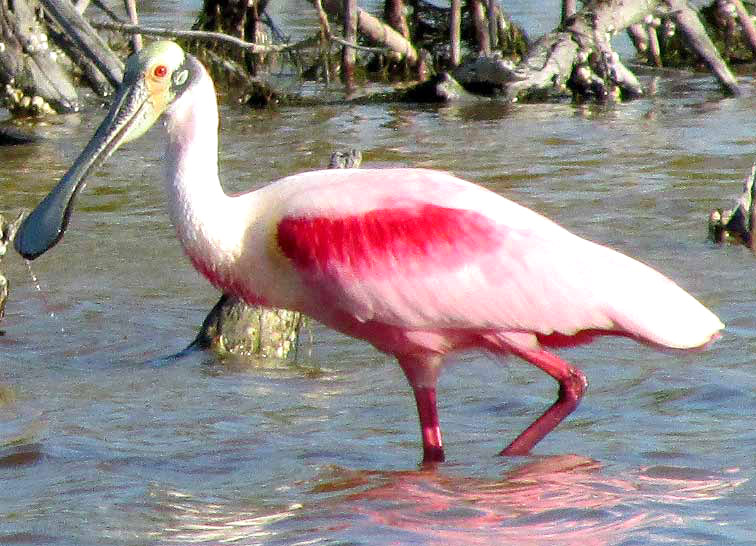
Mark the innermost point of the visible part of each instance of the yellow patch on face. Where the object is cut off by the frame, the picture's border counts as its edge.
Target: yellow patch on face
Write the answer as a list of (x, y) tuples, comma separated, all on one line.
[(157, 64), (148, 84)]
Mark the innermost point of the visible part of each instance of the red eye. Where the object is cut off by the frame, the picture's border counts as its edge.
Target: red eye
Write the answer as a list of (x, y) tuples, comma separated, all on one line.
[(160, 71)]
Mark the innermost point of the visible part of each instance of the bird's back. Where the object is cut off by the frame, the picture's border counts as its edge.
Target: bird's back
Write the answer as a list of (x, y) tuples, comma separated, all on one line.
[(422, 250)]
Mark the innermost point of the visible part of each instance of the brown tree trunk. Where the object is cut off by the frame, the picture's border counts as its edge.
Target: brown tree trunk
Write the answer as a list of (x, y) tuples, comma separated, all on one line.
[(350, 35), (478, 14), (393, 12)]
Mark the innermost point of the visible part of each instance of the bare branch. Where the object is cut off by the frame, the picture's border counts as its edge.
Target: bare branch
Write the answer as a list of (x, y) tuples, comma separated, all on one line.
[(127, 28), (206, 36)]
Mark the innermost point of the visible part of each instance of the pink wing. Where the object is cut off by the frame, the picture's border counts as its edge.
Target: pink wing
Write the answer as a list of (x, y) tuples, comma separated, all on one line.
[(424, 265)]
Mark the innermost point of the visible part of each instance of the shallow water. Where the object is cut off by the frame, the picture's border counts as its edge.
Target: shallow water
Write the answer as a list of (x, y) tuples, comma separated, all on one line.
[(103, 446)]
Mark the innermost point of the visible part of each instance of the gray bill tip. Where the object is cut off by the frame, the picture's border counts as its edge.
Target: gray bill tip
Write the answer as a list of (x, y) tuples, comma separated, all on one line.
[(36, 238), (45, 225)]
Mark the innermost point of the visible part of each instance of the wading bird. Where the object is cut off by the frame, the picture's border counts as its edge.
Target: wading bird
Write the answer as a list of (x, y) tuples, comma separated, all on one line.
[(417, 262)]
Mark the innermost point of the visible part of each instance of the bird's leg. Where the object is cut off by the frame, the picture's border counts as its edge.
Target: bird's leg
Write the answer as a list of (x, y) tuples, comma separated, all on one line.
[(572, 385), (433, 449), (422, 375)]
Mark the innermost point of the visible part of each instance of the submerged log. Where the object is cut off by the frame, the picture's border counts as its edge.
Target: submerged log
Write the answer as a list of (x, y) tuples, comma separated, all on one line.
[(441, 88), (349, 159)]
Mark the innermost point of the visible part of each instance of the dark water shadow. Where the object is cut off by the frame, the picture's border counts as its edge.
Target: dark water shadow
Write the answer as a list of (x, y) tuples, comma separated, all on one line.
[(21, 430), (21, 455)]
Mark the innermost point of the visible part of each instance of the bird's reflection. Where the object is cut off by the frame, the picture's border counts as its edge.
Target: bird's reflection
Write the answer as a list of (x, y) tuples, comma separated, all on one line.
[(554, 500)]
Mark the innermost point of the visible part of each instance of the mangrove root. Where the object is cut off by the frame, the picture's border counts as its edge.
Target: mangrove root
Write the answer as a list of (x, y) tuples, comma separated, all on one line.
[(737, 224)]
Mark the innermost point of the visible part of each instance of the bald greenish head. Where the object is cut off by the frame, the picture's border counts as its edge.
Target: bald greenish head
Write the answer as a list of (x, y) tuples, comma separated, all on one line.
[(154, 78)]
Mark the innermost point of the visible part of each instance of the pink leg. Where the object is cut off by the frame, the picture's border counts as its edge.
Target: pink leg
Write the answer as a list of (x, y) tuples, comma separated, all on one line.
[(422, 374), (433, 449), (572, 385)]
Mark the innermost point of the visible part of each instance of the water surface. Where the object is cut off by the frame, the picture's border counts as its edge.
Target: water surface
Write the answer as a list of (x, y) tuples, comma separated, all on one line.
[(103, 447)]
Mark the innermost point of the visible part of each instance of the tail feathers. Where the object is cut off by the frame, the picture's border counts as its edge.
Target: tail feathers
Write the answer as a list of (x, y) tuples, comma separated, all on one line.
[(688, 325), (662, 313)]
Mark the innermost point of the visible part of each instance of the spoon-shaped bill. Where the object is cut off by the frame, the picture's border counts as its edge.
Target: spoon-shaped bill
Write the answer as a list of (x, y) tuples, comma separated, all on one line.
[(129, 117)]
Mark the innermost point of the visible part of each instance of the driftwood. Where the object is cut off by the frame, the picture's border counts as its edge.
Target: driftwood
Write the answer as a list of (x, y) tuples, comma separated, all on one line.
[(31, 78), (35, 78), (377, 32), (579, 58), (86, 38), (729, 25), (575, 62), (696, 35)]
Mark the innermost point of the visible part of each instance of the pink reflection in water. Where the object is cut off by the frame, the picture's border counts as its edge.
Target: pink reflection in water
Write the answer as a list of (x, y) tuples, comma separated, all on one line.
[(557, 501)]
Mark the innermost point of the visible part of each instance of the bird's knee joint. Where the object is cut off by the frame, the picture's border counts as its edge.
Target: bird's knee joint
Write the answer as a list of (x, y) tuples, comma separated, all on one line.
[(574, 385)]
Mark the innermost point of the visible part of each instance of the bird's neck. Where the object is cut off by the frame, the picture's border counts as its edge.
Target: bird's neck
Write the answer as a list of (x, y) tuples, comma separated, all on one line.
[(199, 208)]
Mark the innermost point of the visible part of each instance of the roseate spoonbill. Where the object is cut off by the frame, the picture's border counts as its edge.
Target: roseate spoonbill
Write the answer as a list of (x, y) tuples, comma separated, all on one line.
[(417, 262)]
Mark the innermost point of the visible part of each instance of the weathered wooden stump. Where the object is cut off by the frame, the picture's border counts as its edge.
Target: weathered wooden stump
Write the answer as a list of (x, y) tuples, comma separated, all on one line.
[(235, 328)]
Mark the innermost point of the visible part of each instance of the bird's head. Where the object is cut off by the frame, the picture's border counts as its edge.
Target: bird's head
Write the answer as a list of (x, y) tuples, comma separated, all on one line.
[(154, 78)]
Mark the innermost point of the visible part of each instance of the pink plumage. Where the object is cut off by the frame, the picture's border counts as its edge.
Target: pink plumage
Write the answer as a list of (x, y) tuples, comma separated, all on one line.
[(420, 237), (417, 262), (420, 264)]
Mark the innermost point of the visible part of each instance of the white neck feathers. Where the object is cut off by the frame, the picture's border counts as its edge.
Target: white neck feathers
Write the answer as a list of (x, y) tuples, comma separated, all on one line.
[(201, 212)]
